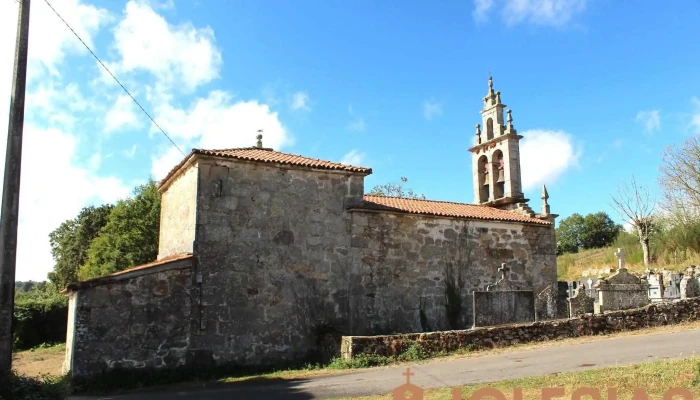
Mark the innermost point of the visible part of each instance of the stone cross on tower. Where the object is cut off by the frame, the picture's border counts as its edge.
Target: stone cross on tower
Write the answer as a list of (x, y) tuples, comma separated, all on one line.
[(503, 270), (620, 254)]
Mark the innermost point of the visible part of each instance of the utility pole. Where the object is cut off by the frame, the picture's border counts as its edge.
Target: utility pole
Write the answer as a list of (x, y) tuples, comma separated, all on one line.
[(9, 213)]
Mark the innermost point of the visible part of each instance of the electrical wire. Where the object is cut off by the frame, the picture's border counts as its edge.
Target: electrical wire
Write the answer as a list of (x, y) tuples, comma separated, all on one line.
[(115, 78)]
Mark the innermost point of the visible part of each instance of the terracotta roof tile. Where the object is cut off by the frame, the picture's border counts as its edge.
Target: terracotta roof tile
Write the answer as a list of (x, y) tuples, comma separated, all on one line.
[(269, 156), (444, 209)]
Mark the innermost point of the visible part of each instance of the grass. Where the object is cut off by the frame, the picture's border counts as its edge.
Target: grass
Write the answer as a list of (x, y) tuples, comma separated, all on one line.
[(655, 378), (570, 267), (41, 360)]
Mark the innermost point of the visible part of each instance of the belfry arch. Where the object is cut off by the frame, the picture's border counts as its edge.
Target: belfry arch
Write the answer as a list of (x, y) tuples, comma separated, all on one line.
[(498, 168), (483, 179)]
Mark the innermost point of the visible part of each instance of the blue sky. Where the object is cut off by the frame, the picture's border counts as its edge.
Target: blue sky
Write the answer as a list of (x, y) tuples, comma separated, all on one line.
[(597, 88)]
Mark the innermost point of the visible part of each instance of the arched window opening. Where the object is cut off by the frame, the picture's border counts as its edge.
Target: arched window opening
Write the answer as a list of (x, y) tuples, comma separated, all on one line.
[(483, 179), (499, 174), (489, 129)]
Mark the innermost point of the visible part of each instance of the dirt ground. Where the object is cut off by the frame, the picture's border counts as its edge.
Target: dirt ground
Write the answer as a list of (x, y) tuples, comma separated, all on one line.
[(39, 361)]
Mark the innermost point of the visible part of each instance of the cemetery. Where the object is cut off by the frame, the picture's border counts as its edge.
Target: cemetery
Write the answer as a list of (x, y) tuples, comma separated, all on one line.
[(505, 315)]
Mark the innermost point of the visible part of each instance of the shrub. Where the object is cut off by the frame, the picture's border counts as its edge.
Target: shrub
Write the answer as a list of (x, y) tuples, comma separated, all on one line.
[(40, 320), (44, 387)]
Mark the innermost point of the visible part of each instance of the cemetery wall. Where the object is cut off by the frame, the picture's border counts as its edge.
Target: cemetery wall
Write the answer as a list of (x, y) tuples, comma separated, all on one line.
[(657, 314)]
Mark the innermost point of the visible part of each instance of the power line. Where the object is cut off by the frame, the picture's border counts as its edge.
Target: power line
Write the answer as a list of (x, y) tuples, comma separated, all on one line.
[(115, 78)]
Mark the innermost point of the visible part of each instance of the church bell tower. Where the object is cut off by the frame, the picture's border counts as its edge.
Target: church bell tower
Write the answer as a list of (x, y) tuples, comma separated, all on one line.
[(496, 157)]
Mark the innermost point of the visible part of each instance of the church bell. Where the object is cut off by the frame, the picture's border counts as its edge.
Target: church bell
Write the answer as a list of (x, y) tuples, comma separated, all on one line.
[(486, 179), (501, 176)]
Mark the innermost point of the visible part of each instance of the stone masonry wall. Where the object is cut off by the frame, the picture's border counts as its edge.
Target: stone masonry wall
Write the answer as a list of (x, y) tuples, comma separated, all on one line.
[(417, 274), (283, 264), (137, 324), (178, 214), (657, 314), (272, 247)]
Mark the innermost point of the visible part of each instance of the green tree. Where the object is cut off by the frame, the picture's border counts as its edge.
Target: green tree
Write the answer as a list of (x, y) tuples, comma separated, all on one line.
[(71, 240), (130, 236), (569, 234), (395, 190), (599, 230)]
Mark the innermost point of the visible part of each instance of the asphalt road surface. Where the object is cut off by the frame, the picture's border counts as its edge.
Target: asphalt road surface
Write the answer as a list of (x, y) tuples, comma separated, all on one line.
[(490, 368)]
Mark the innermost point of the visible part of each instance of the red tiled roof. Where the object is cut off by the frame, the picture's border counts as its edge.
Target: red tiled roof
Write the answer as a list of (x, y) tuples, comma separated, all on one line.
[(100, 279), (444, 209), (269, 156)]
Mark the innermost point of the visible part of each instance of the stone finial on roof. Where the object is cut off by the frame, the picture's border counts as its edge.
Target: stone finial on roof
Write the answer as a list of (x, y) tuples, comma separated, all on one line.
[(478, 134), (545, 204), (259, 137), (510, 118)]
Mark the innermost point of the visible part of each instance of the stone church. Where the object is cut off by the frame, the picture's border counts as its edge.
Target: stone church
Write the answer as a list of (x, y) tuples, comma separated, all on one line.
[(263, 254)]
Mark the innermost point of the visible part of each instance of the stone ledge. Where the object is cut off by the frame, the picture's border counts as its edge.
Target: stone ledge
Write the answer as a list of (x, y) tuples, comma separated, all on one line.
[(656, 314)]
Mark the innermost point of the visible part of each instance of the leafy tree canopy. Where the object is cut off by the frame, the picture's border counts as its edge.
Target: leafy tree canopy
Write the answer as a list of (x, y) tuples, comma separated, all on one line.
[(130, 236), (71, 240), (590, 232)]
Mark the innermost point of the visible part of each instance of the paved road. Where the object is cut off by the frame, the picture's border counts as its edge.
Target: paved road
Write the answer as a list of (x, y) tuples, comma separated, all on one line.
[(516, 364)]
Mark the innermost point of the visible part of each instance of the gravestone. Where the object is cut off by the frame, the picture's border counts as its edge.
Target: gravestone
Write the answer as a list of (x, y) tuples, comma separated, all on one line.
[(656, 287), (551, 303), (581, 303), (672, 284), (503, 303), (690, 287), (622, 290)]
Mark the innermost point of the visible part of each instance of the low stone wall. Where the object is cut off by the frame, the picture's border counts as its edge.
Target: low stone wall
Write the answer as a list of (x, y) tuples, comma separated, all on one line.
[(657, 314)]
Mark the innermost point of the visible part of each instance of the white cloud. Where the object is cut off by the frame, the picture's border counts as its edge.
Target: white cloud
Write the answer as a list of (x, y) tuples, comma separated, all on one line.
[(651, 120), (481, 9), (49, 156), (300, 102), (353, 157), (165, 161), (216, 122), (545, 156), (45, 202), (695, 117), (49, 38), (431, 108), (131, 152), (536, 12), (357, 124), (177, 56), (121, 115)]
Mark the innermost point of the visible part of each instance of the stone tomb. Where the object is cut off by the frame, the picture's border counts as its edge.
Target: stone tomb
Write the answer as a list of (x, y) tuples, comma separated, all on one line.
[(503, 303), (690, 286), (581, 303), (663, 285), (552, 303), (622, 290)]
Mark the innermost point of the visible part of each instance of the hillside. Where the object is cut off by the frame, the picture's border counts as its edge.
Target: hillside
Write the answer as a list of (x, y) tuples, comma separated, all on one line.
[(572, 266)]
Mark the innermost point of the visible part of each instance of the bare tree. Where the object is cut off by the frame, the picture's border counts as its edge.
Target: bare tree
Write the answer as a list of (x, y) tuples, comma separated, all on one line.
[(637, 209), (680, 182), (396, 190)]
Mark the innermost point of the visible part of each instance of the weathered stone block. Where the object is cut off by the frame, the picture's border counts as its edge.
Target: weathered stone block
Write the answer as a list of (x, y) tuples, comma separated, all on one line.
[(503, 307)]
